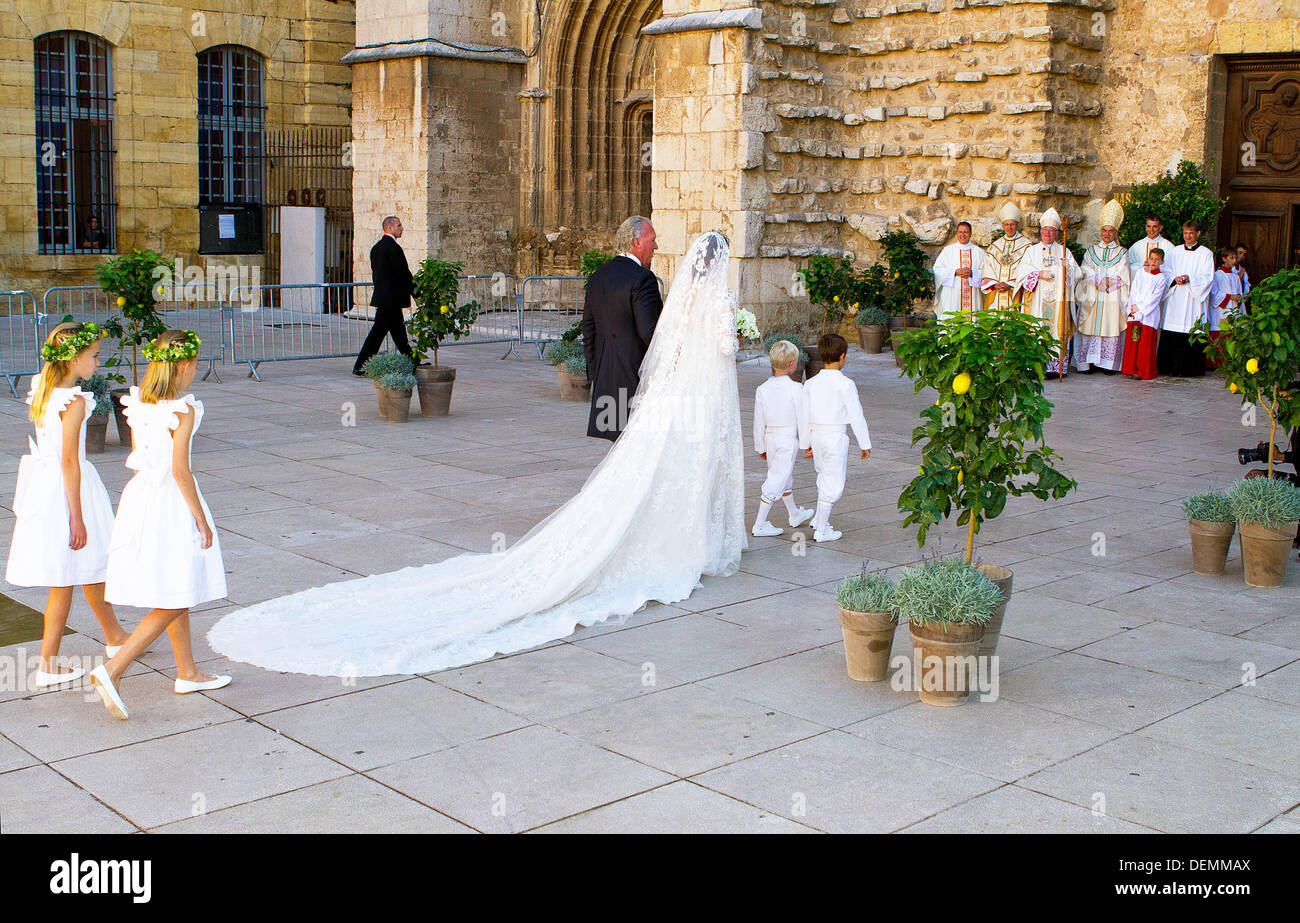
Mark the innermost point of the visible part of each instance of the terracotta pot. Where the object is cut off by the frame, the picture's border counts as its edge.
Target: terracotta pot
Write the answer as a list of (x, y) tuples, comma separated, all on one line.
[(1264, 552), (993, 630), (381, 399), (1210, 544), (96, 433), (397, 404), (573, 387), (872, 338), (896, 337), (435, 386), (956, 646), (123, 428), (868, 637)]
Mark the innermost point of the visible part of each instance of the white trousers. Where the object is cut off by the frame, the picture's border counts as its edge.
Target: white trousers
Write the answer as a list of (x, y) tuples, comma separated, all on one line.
[(830, 447), (782, 448)]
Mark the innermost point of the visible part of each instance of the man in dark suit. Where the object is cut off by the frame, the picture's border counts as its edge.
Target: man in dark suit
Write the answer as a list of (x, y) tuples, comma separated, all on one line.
[(392, 294), (619, 314)]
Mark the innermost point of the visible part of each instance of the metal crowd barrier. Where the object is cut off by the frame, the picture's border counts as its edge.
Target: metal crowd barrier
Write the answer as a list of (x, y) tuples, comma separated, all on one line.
[(91, 303), (20, 340), (548, 306)]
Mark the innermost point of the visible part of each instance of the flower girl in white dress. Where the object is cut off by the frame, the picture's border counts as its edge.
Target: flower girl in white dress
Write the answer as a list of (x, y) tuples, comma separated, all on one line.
[(63, 516), (164, 554)]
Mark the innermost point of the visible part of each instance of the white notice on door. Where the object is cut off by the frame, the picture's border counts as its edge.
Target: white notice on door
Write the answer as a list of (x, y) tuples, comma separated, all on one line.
[(225, 227)]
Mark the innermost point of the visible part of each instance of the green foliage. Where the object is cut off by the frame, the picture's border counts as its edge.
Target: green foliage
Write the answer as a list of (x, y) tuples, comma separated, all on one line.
[(1270, 502), (1211, 506), (438, 315), (993, 434), (871, 317), (576, 365), (1268, 335), (386, 363), (1185, 195), (945, 590), (561, 351), (133, 279), (831, 285), (771, 340), (909, 276), (98, 386), (593, 260), (1077, 249), (574, 333), (866, 592), (397, 381)]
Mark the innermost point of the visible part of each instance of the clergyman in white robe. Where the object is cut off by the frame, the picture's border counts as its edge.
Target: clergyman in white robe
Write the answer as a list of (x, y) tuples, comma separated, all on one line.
[(959, 293)]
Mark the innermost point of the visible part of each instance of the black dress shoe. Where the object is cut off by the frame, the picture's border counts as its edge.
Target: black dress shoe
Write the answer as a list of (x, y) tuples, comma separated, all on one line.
[(358, 373)]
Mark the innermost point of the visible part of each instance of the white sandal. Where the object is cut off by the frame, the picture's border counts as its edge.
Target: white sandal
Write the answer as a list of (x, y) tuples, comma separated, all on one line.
[(44, 680), (185, 686)]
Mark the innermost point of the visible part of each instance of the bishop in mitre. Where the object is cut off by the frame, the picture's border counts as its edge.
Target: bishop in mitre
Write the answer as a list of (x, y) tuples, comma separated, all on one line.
[(1102, 295), (1048, 274), (958, 274), (1002, 260)]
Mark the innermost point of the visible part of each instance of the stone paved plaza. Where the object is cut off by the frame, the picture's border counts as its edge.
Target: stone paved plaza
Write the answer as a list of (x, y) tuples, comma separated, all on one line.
[(1121, 674)]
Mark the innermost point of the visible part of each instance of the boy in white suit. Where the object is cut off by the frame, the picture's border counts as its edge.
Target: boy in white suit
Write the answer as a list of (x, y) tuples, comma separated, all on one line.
[(831, 403), (780, 427)]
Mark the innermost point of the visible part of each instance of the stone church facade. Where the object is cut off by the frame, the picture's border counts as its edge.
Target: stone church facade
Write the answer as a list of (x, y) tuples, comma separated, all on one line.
[(513, 140)]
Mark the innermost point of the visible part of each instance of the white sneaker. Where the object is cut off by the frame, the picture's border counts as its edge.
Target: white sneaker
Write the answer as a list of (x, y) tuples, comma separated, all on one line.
[(800, 516), (108, 692), (185, 686), (829, 535), (44, 680), (764, 528)]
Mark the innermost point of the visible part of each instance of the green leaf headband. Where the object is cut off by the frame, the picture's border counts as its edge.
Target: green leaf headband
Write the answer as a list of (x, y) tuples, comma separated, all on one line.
[(67, 350), (174, 352)]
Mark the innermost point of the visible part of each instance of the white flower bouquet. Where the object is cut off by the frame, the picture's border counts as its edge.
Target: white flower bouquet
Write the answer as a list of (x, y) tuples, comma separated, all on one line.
[(746, 325)]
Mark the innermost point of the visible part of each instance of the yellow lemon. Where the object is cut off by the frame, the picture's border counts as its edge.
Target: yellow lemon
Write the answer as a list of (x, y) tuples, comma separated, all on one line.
[(1252, 366), (444, 309), (936, 402), (961, 384), (121, 302), (960, 477), (855, 305), (837, 298), (1232, 386)]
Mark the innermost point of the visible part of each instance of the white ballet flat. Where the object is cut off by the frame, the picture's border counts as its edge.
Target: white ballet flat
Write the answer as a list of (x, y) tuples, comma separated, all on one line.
[(800, 516), (44, 680), (765, 528), (108, 692), (111, 650), (185, 686), (829, 535)]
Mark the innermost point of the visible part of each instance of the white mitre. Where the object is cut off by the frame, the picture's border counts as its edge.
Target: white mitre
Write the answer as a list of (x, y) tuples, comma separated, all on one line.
[(1112, 215), (1050, 219), (1011, 213)]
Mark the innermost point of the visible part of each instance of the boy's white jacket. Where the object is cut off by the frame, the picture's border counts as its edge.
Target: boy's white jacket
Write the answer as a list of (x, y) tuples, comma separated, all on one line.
[(778, 402), (830, 397)]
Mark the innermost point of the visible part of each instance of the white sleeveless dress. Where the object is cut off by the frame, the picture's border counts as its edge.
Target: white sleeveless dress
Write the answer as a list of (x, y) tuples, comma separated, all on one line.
[(39, 554), (154, 558)]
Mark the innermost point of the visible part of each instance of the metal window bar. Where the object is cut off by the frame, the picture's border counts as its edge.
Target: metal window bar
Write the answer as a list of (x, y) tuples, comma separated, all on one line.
[(90, 303), (310, 167), (75, 194), (19, 337), (232, 118)]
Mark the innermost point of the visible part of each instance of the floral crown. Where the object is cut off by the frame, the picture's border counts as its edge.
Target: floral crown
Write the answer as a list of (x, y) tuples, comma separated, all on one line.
[(174, 352), (66, 350)]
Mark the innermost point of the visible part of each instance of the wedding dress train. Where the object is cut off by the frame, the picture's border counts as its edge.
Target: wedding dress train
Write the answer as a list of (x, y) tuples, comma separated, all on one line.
[(662, 508)]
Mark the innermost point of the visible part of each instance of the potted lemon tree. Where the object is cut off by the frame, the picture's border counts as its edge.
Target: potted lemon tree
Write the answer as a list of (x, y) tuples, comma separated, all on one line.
[(437, 315), (131, 282), (97, 422), (867, 620), (982, 440), (1211, 522)]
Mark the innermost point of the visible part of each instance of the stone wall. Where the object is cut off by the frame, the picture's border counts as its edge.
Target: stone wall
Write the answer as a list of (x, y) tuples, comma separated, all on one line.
[(154, 76)]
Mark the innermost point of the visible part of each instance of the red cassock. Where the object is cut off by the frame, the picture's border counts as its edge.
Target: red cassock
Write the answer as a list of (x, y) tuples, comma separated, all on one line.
[(1140, 357)]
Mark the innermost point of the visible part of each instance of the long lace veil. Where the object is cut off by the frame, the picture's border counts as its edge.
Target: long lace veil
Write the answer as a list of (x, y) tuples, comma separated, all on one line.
[(663, 507)]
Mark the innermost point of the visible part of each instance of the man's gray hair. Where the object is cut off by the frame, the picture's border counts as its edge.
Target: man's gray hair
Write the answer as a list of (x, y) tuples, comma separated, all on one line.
[(628, 232), (389, 222)]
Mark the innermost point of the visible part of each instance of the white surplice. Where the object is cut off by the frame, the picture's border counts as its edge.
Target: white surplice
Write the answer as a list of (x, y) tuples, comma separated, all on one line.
[(1186, 304), (957, 293)]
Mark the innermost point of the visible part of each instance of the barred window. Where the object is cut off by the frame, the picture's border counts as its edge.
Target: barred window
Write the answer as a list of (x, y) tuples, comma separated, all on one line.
[(75, 199), (232, 116)]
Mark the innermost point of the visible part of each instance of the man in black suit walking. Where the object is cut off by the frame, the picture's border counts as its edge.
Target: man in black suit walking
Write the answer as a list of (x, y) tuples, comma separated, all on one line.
[(392, 293), (619, 314)]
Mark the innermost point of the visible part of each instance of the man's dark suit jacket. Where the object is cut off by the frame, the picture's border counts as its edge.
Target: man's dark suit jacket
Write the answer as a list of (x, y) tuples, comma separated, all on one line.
[(391, 274), (619, 314)]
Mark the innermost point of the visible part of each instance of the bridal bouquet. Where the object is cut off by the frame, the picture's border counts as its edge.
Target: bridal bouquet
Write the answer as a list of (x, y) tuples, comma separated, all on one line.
[(746, 325)]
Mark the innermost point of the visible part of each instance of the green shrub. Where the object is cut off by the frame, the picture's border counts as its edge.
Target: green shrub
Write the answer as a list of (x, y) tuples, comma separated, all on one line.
[(770, 341), (397, 381), (435, 287), (385, 363), (909, 277), (866, 592), (1269, 502), (1185, 195), (574, 333), (593, 260), (871, 317), (945, 590), (138, 279), (98, 386), (561, 350), (1211, 506), (576, 365)]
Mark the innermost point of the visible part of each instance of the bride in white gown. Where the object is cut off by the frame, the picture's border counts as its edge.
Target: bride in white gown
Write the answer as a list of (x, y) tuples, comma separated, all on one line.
[(664, 507)]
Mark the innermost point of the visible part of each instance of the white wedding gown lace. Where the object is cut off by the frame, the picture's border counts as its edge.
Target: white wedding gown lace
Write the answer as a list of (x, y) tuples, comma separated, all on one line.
[(664, 507)]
